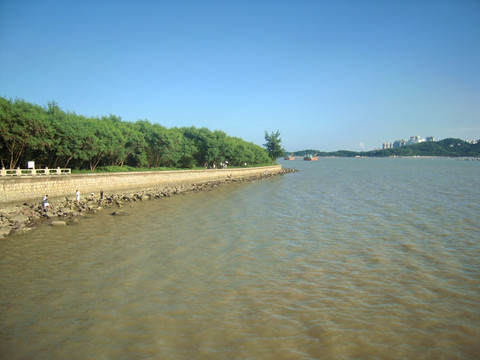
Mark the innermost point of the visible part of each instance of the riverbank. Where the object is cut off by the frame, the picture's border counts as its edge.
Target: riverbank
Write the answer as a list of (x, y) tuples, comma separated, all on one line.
[(63, 211), (17, 189)]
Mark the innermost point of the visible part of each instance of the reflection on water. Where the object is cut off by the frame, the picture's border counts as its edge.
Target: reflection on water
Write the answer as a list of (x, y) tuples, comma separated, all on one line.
[(349, 258)]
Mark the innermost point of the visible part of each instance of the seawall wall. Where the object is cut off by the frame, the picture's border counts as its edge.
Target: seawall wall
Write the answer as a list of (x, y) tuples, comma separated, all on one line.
[(18, 189)]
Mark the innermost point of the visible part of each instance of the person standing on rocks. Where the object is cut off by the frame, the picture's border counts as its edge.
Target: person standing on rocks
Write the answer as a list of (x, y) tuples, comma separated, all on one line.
[(45, 204), (77, 196)]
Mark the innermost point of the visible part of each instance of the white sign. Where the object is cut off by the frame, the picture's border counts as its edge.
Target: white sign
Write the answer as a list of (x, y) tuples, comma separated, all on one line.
[(31, 164)]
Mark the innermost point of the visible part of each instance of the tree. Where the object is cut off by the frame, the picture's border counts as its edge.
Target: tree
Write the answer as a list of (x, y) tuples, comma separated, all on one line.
[(273, 144), (53, 137), (24, 130)]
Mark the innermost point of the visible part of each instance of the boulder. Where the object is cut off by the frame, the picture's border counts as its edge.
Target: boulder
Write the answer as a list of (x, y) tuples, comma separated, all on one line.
[(20, 218), (119, 213), (10, 210), (4, 232), (22, 230), (66, 211), (59, 223)]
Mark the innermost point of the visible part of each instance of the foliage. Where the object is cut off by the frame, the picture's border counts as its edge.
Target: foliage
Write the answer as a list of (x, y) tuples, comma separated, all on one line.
[(54, 138), (273, 144), (447, 147), (24, 131), (339, 153)]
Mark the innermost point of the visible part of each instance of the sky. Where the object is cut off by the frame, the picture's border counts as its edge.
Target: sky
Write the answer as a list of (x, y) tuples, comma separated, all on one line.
[(328, 75)]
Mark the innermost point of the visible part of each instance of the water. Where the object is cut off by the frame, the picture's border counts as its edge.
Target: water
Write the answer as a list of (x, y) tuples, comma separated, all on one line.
[(346, 259)]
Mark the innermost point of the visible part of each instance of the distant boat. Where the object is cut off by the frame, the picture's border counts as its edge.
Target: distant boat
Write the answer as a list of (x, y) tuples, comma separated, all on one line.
[(289, 157), (311, 157)]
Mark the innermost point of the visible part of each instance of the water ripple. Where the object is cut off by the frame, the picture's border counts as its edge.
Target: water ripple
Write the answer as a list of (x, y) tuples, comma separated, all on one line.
[(346, 259)]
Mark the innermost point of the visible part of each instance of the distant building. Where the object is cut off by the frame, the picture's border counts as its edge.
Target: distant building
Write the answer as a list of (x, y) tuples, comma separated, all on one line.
[(415, 140), (399, 143)]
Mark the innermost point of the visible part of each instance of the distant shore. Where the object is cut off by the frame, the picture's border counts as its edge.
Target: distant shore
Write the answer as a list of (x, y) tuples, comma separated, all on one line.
[(21, 218)]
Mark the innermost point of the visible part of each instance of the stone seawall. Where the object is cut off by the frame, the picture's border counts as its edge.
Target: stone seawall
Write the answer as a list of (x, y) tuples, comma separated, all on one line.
[(16, 189)]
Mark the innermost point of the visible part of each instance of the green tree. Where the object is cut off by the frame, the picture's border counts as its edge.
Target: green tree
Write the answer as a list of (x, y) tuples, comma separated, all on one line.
[(52, 137), (24, 132), (154, 139), (273, 144)]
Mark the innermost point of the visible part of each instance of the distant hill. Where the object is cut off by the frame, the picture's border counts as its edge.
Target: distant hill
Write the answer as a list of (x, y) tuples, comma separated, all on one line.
[(447, 147)]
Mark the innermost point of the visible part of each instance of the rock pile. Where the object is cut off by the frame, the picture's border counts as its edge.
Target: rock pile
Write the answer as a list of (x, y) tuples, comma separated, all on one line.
[(19, 219)]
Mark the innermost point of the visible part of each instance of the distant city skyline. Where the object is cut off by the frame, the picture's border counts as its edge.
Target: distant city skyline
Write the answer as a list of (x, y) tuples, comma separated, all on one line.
[(329, 75), (415, 139)]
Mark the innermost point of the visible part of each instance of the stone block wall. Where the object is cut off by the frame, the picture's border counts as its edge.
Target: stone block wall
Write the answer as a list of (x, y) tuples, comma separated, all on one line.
[(18, 189)]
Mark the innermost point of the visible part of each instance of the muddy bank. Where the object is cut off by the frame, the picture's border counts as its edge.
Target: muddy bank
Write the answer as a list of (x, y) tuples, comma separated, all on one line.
[(21, 218)]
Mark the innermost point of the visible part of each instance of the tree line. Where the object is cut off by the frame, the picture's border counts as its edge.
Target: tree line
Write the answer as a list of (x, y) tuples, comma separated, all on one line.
[(449, 147), (54, 138)]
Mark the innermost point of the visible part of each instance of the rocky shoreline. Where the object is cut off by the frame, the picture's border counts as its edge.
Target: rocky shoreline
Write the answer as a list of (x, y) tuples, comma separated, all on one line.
[(21, 218)]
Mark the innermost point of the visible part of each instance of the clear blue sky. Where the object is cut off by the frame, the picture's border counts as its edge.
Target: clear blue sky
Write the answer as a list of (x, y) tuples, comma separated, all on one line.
[(328, 75)]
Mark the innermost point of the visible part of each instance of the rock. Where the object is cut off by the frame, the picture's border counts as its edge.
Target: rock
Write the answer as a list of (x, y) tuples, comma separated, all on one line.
[(20, 218), (119, 213), (66, 211), (22, 230), (59, 223), (10, 210), (36, 216), (4, 232)]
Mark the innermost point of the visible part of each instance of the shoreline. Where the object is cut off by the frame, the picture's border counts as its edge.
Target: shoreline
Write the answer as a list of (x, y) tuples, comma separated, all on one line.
[(24, 217), (18, 189)]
